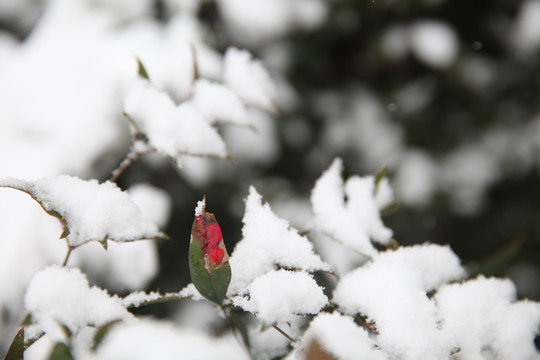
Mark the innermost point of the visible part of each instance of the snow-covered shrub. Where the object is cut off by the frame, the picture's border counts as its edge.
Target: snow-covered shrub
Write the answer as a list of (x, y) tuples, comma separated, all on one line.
[(341, 287)]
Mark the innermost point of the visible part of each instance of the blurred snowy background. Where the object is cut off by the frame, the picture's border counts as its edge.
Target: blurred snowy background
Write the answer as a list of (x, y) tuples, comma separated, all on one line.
[(443, 93)]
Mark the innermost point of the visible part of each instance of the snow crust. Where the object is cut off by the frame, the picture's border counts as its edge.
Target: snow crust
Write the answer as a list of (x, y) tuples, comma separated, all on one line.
[(172, 130), (268, 241), (91, 211), (278, 296), (249, 79), (355, 221), (61, 296), (391, 291), (338, 335)]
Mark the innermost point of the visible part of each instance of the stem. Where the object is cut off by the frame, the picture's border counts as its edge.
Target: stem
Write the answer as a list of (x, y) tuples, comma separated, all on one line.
[(129, 159), (68, 253), (283, 333)]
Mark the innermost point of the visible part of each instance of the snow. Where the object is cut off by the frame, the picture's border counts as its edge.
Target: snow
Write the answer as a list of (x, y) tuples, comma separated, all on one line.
[(155, 204), (150, 339), (278, 296), (526, 32), (124, 266), (481, 314), (201, 205), (384, 194), (260, 146), (58, 295), (249, 79), (172, 130), (355, 222), (415, 181), (91, 211), (217, 102), (391, 291), (191, 291), (268, 241), (339, 336), (434, 43), (259, 20)]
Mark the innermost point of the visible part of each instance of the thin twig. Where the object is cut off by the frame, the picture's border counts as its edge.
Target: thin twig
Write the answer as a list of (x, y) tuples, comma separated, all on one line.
[(68, 253), (283, 333), (128, 160)]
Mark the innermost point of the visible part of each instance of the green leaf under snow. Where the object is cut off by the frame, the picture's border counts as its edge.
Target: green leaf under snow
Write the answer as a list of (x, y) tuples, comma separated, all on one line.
[(102, 332), (16, 349), (88, 210), (238, 323), (60, 352)]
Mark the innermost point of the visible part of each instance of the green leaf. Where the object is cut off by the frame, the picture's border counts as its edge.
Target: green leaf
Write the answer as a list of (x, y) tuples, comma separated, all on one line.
[(379, 176), (220, 279), (16, 349), (28, 320), (65, 233), (104, 243), (238, 323), (199, 276), (60, 352), (142, 70), (54, 213), (102, 332)]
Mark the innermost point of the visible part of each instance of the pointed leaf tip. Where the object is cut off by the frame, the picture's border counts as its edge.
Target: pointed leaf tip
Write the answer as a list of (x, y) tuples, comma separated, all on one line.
[(16, 349), (142, 70)]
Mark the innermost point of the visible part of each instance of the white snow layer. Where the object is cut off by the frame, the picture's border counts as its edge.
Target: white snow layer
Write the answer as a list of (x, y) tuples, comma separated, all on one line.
[(172, 130), (217, 102), (481, 316), (91, 211), (278, 296), (355, 222), (257, 20), (391, 291), (268, 241), (61, 296), (149, 339), (339, 336), (249, 79)]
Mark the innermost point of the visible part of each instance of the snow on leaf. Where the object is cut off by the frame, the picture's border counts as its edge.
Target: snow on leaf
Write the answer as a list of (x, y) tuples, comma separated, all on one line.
[(278, 296), (249, 79), (151, 339), (391, 291), (500, 324), (217, 102), (339, 336), (90, 211), (268, 241), (355, 222), (59, 295), (172, 130)]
